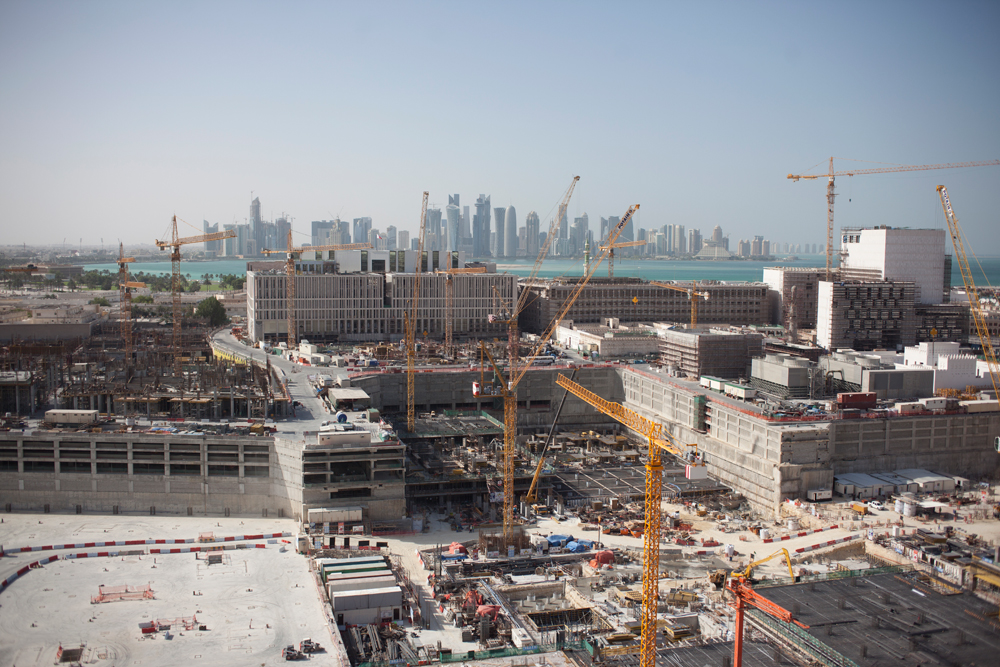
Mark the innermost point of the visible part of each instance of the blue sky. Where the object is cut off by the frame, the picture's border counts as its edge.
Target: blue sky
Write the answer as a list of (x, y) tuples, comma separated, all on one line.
[(115, 116)]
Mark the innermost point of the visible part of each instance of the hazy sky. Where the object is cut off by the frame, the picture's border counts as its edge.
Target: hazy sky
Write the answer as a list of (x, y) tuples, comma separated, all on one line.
[(115, 116)]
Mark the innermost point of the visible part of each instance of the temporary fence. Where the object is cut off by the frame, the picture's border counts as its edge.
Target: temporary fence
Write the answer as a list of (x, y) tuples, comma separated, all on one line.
[(117, 593), (124, 543)]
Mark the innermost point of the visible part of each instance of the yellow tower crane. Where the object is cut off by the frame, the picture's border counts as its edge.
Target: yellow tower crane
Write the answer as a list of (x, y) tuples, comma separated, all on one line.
[(291, 254), (970, 289), (125, 287), (175, 243), (517, 368), (659, 441), (410, 324), (830, 194), (692, 296), (449, 313), (611, 253)]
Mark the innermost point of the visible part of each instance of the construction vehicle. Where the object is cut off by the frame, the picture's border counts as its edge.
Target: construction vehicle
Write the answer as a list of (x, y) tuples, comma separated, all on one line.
[(718, 579), (532, 495), (292, 653), (692, 296), (830, 194), (309, 646), (175, 243), (860, 508), (748, 573), (291, 254), (975, 306), (659, 441), (743, 595), (611, 253), (410, 325)]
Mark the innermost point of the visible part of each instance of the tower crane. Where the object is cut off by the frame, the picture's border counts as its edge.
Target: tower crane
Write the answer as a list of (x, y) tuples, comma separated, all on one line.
[(830, 194), (532, 495), (659, 441), (449, 315), (410, 324), (692, 296), (611, 254), (516, 369), (290, 253), (175, 243), (125, 287), (970, 289)]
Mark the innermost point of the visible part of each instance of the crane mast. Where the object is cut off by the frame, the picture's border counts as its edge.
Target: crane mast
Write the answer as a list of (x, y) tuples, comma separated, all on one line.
[(692, 293), (175, 244), (658, 440), (411, 324), (831, 193), (970, 289), (290, 252)]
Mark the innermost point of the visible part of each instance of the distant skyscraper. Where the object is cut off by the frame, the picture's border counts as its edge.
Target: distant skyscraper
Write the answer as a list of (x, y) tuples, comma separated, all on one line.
[(563, 227), (403, 240), (390, 236), (320, 231), (213, 247), (498, 237), (694, 241), (717, 234), (361, 228), (256, 240), (757, 246), (680, 241), (230, 243), (578, 234), (464, 230), (432, 238), (605, 228), (510, 232), (531, 224), (453, 217), (282, 226), (481, 227)]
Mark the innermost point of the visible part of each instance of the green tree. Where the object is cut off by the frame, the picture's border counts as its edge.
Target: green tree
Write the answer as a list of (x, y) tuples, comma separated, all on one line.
[(213, 310), (142, 298), (194, 287), (71, 284), (100, 301)]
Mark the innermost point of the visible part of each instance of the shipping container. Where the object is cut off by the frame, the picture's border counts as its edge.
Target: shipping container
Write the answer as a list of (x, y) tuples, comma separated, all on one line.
[(860, 400), (981, 406), (71, 416), (819, 494), (935, 403)]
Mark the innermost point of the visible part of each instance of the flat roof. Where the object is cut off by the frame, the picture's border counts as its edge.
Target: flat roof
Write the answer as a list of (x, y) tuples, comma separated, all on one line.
[(859, 479), (921, 475), (347, 393)]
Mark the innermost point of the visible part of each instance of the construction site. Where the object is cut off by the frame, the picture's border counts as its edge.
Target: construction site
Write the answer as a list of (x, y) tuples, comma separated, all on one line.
[(443, 491)]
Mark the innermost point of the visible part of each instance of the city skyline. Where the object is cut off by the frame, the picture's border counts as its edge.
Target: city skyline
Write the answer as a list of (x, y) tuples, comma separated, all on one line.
[(157, 130)]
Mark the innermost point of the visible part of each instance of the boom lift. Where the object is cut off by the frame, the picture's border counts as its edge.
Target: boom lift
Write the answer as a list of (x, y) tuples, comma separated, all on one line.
[(659, 440), (291, 254), (830, 194), (175, 243), (611, 253), (692, 294), (970, 289), (410, 324)]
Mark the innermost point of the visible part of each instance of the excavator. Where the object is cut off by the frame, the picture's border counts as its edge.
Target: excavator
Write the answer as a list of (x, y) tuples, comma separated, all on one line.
[(718, 577)]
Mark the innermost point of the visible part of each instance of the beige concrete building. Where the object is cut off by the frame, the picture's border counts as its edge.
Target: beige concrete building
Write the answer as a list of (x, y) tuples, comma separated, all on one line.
[(636, 300), (697, 352), (865, 315)]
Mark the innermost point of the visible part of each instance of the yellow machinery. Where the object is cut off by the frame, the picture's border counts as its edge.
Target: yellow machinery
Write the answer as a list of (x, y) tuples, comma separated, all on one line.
[(970, 289), (692, 296), (175, 244), (410, 324), (659, 440), (125, 287), (290, 253), (745, 574), (449, 313), (611, 253), (830, 194)]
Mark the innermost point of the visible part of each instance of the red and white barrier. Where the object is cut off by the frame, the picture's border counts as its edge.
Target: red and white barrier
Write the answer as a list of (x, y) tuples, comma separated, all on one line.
[(799, 534), (131, 543), (828, 543), (24, 570)]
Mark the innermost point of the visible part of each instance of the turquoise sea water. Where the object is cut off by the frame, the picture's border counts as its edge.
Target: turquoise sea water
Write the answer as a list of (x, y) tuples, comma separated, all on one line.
[(647, 269)]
